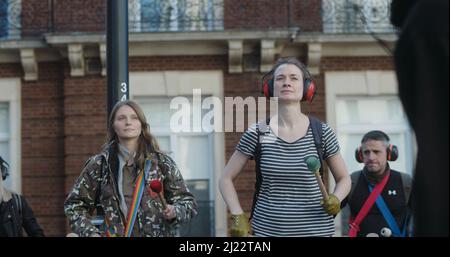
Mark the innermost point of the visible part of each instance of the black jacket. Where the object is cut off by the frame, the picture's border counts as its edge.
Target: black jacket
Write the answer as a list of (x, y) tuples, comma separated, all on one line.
[(394, 196), (13, 218)]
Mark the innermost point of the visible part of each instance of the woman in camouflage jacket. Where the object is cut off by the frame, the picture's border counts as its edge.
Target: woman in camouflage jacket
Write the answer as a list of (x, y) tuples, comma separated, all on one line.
[(106, 187)]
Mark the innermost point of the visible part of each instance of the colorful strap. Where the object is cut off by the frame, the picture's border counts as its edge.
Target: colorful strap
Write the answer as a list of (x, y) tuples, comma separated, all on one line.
[(354, 224), (110, 231), (137, 197)]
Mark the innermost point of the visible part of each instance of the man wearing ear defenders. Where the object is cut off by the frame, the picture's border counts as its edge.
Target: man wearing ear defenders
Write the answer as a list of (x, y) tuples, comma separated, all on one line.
[(379, 196)]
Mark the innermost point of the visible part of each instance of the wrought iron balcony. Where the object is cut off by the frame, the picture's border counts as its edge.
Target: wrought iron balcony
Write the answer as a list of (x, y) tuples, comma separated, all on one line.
[(25, 18), (356, 16), (175, 15), (10, 14), (143, 16)]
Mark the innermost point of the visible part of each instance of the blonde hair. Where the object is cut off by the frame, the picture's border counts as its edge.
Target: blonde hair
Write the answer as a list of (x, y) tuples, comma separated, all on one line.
[(146, 142)]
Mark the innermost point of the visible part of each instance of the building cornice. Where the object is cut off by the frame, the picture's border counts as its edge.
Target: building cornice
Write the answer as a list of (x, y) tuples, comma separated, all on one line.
[(235, 43)]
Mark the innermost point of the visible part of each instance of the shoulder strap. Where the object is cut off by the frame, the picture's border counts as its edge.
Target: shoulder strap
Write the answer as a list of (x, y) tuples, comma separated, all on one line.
[(354, 178), (18, 203), (408, 225), (136, 201), (407, 184), (354, 224), (406, 181), (261, 129), (390, 220), (316, 127)]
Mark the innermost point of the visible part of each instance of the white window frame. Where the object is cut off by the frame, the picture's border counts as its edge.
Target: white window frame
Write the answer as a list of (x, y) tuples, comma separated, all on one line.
[(10, 89), (181, 83), (210, 137), (174, 142), (375, 83), (387, 128)]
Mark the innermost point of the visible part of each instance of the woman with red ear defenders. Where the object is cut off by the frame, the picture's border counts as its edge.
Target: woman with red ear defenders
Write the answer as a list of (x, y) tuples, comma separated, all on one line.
[(309, 87), (288, 200)]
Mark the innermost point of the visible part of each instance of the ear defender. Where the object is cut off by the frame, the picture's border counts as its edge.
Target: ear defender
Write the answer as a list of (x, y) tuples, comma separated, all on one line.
[(358, 155), (391, 152), (267, 88), (4, 167), (309, 88)]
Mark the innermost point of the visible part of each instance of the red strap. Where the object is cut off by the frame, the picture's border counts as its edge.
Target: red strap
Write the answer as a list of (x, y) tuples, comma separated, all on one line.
[(354, 224)]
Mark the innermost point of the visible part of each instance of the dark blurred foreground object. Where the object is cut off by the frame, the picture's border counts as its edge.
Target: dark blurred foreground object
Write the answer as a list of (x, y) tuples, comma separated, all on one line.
[(421, 59)]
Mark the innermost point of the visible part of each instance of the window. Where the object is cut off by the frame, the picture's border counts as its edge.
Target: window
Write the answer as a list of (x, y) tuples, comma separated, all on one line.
[(359, 115), (175, 15), (4, 135), (192, 153), (10, 130), (200, 155), (360, 101)]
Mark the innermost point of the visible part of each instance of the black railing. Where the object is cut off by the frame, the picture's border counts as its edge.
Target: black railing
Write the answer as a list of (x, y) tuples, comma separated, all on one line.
[(25, 18), (175, 15), (356, 16), (10, 19), (144, 16)]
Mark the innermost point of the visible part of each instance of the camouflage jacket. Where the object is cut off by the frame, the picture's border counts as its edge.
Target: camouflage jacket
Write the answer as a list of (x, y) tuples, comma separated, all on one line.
[(97, 175)]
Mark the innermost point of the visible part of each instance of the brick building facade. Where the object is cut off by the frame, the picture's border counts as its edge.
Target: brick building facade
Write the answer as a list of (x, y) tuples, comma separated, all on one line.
[(59, 54)]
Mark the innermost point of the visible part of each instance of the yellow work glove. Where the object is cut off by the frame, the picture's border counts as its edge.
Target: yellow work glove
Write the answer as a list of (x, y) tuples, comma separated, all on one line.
[(332, 206), (240, 225)]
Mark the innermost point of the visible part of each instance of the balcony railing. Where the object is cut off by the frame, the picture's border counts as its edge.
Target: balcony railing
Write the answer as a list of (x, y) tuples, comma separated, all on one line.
[(10, 14), (143, 16), (356, 16), (175, 15), (26, 18)]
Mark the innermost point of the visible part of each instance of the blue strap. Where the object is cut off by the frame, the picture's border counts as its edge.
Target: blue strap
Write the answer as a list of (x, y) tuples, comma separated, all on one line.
[(388, 216)]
